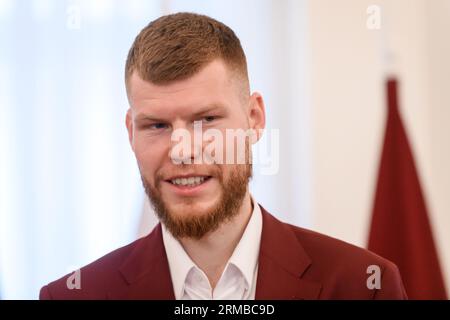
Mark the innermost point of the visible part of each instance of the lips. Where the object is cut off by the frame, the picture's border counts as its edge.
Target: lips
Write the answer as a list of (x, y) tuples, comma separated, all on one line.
[(189, 186), (188, 181)]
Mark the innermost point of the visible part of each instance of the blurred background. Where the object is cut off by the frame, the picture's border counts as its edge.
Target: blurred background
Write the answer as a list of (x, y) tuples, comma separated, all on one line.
[(70, 190)]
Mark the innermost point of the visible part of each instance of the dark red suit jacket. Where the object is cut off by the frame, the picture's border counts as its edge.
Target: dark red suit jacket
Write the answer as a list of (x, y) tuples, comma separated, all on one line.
[(294, 263)]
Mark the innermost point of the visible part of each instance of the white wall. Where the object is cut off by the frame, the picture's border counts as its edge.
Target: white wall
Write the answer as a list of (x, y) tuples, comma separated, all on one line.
[(348, 109)]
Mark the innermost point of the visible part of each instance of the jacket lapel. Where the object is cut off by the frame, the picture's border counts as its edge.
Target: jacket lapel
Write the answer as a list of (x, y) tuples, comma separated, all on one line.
[(282, 263), (146, 271)]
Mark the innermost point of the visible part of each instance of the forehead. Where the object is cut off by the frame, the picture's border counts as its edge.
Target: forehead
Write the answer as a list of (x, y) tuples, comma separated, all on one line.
[(212, 85)]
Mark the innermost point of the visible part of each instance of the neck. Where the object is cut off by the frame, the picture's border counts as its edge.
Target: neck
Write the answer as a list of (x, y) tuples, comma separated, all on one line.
[(212, 252)]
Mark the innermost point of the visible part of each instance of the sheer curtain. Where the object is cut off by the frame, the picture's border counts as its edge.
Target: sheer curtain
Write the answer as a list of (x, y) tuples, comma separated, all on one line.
[(69, 186)]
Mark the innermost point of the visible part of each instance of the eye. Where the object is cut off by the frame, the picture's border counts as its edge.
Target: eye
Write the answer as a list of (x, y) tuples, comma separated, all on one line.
[(158, 126), (209, 118)]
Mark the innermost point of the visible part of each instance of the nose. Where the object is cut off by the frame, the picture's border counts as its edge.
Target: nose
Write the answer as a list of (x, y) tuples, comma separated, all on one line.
[(186, 145)]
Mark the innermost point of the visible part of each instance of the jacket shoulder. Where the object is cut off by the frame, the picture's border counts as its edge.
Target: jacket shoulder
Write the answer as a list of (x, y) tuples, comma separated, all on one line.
[(92, 281), (345, 269)]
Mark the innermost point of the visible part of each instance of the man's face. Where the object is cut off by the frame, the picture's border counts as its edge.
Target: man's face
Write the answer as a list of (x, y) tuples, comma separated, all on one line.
[(213, 97)]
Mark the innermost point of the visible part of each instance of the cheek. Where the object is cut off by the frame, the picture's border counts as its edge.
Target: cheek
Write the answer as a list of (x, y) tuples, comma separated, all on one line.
[(150, 157), (234, 144), (225, 172)]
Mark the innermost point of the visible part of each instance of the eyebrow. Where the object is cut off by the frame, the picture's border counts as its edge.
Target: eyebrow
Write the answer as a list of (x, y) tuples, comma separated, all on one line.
[(203, 111), (208, 109), (145, 117)]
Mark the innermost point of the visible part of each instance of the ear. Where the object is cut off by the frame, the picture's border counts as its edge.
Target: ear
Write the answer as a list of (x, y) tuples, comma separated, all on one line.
[(130, 128), (257, 115)]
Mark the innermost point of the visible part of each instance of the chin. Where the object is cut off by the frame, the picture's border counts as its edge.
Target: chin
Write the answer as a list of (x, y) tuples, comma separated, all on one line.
[(192, 208)]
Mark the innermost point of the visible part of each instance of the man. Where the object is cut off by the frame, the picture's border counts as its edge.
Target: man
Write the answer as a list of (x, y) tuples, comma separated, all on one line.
[(214, 241)]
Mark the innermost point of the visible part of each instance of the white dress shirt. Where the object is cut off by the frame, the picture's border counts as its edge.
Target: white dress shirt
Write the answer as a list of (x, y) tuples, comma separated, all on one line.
[(238, 279)]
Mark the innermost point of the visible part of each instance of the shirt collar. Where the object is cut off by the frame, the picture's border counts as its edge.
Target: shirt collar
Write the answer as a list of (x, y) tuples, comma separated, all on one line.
[(244, 257), (179, 261)]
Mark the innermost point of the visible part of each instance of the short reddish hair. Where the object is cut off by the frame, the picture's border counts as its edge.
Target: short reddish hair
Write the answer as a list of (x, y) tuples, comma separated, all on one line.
[(176, 46)]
